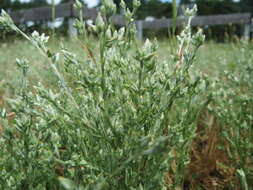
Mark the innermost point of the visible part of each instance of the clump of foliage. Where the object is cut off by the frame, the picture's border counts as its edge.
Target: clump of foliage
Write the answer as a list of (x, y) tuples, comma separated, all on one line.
[(232, 106), (119, 119)]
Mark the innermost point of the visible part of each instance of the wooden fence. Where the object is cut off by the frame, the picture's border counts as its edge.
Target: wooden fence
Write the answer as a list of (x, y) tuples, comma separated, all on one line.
[(67, 11)]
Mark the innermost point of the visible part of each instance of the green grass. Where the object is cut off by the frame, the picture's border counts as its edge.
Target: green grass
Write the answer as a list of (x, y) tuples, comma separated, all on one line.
[(212, 58)]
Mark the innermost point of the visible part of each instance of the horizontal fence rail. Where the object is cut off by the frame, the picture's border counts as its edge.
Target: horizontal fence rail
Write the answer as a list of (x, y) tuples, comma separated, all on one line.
[(66, 10), (244, 18), (41, 13)]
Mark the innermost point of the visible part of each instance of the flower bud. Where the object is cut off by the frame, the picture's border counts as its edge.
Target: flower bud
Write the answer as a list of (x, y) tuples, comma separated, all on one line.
[(103, 10), (121, 33), (123, 4), (78, 5), (147, 46), (110, 7), (136, 4), (6, 21), (92, 28), (108, 33), (115, 34), (199, 38), (191, 12), (100, 24)]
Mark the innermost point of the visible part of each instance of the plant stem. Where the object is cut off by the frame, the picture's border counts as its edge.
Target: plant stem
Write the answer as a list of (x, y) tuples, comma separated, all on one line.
[(53, 16), (174, 17)]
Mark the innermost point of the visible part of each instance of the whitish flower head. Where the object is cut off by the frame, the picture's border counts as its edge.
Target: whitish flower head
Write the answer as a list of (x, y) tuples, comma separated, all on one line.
[(6, 21), (78, 4), (136, 3), (123, 4), (42, 39), (199, 38), (191, 12), (99, 23), (121, 33), (108, 8)]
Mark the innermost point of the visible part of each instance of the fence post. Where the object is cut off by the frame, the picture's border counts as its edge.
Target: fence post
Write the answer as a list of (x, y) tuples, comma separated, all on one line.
[(139, 26), (247, 30), (71, 29)]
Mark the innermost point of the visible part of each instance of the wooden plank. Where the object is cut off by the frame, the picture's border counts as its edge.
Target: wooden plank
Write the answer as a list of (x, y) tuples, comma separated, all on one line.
[(88, 13), (93, 12), (42, 13), (66, 10), (201, 20), (45, 13), (222, 19), (157, 23), (139, 30), (247, 30)]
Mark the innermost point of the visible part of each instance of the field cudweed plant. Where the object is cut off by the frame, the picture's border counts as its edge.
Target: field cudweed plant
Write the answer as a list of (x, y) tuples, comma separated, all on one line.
[(123, 121)]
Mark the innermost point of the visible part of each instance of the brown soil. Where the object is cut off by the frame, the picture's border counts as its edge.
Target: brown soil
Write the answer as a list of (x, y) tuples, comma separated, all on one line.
[(210, 167)]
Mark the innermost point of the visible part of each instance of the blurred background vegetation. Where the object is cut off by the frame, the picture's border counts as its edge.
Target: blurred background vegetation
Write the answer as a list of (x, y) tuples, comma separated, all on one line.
[(154, 8)]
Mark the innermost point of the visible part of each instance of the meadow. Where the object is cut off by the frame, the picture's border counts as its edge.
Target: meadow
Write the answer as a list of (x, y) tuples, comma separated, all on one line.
[(212, 58), (110, 112)]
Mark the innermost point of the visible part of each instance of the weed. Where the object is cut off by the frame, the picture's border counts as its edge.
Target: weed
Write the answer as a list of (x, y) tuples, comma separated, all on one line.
[(120, 118)]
